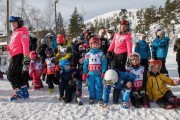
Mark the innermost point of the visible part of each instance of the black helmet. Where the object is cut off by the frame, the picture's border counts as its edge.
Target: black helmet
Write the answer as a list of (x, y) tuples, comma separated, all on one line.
[(48, 50), (17, 19)]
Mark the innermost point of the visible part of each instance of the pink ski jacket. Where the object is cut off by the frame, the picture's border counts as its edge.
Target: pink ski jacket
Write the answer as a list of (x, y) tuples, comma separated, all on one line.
[(19, 42), (121, 43)]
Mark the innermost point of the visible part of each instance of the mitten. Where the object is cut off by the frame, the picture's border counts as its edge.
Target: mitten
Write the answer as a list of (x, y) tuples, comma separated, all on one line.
[(84, 76)]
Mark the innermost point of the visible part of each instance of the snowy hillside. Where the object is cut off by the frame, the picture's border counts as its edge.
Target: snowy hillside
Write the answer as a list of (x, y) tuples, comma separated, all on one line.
[(42, 106)]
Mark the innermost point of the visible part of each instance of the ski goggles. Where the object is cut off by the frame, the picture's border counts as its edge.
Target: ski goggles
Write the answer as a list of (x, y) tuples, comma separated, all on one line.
[(108, 82), (12, 19)]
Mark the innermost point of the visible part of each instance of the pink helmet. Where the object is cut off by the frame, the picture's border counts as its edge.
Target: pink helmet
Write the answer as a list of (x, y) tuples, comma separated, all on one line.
[(32, 55), (94, 40)]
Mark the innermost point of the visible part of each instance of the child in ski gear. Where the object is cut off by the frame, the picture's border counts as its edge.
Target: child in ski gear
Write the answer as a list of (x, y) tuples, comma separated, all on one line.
[(177, 50), (64, 48), (70, 84), (138, 92), (157, 89), (162, 46), (35, 70), (94, 67), (19, 51), (53, 43), (122, 84), (51, 68), (121, 47), (142, 47)]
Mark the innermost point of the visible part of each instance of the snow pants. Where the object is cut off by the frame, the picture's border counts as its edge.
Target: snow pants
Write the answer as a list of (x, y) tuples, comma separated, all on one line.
[(14, 73), (95, 87), (119, 61), (51, 80)]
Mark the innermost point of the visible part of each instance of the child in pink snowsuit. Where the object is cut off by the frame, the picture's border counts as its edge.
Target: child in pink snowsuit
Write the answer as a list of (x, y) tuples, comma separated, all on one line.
[(35, 70)]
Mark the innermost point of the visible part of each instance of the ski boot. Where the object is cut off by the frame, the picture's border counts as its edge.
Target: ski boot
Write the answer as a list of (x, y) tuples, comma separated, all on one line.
[(50, 90), (91, 101), (25, 95), (79, 101), (125, 105), (100, 102), (13, 98), (61, 98)]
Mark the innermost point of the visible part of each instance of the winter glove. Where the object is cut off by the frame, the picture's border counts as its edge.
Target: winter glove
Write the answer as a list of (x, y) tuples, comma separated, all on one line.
[(4, 48), (84, 76), (136, 95), (109, 55), (102, 75), (142, 92), (72, 82), (26, 59)]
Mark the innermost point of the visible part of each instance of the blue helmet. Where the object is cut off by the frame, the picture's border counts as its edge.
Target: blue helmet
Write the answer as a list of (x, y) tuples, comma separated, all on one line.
[(17, 19), (63, 65)]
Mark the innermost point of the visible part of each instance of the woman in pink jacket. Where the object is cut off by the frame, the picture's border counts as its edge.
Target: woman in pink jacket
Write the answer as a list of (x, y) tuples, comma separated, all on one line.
[(19, 51), (120, 47)]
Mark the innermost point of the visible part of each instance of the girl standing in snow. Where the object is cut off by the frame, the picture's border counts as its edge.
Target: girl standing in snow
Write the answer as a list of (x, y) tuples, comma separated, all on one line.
[(35, 70), (94, 67), (19, 51)]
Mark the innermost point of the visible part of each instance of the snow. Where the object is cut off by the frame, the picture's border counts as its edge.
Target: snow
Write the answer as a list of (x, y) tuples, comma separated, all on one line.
[(42, 105)]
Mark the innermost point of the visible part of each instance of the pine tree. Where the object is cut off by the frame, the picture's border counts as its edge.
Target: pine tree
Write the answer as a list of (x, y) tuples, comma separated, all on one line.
[(60, 25), (76, 24)]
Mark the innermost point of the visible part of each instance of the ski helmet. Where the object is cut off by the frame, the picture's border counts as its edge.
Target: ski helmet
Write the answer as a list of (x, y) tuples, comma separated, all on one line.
[(155, 63), (133, 56), (125, 22), (161, 34), (63, 65), (142, 36), (111, 77), (43, 41), (81, 48), (33, 55), (94, 40), (48, 51), (49, 35), (61, 39), (19, 20)]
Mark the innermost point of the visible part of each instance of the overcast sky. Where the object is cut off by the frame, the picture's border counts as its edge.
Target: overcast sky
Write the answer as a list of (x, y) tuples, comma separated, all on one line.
[(92, 8)]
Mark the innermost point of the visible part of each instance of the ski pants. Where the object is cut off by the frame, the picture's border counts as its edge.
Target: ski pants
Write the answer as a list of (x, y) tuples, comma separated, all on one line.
[(164, 101), (119, 61), (95, 87), (163, 68), (66, 91), (178, 63), (137, 102), (14, 73), (26, 77), (144, 62), (50, 79)]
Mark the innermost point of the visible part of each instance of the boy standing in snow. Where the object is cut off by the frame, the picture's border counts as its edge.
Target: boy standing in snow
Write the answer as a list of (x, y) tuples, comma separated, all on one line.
[(51, 68), (122, 84), (138, 92), (94, 67), (35, 70), (157, 89), (70, 84)]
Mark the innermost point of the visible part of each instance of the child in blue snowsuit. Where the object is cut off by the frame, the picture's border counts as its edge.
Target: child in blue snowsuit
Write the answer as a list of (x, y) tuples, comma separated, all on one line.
[(70, 84), (94, 67), (122, 84)]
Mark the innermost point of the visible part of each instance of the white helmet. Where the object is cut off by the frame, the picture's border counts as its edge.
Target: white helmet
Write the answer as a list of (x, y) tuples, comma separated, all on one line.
[(134, 55), (43, 41), (110, 77), (49, 35)]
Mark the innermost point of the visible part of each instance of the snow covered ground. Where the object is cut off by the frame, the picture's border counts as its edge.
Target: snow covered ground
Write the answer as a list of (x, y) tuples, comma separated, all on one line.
[(44, 106)]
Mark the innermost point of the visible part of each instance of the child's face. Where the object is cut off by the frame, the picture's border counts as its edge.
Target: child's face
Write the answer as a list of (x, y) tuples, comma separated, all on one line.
[(155, 68), (95, 45), (135, 61)]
